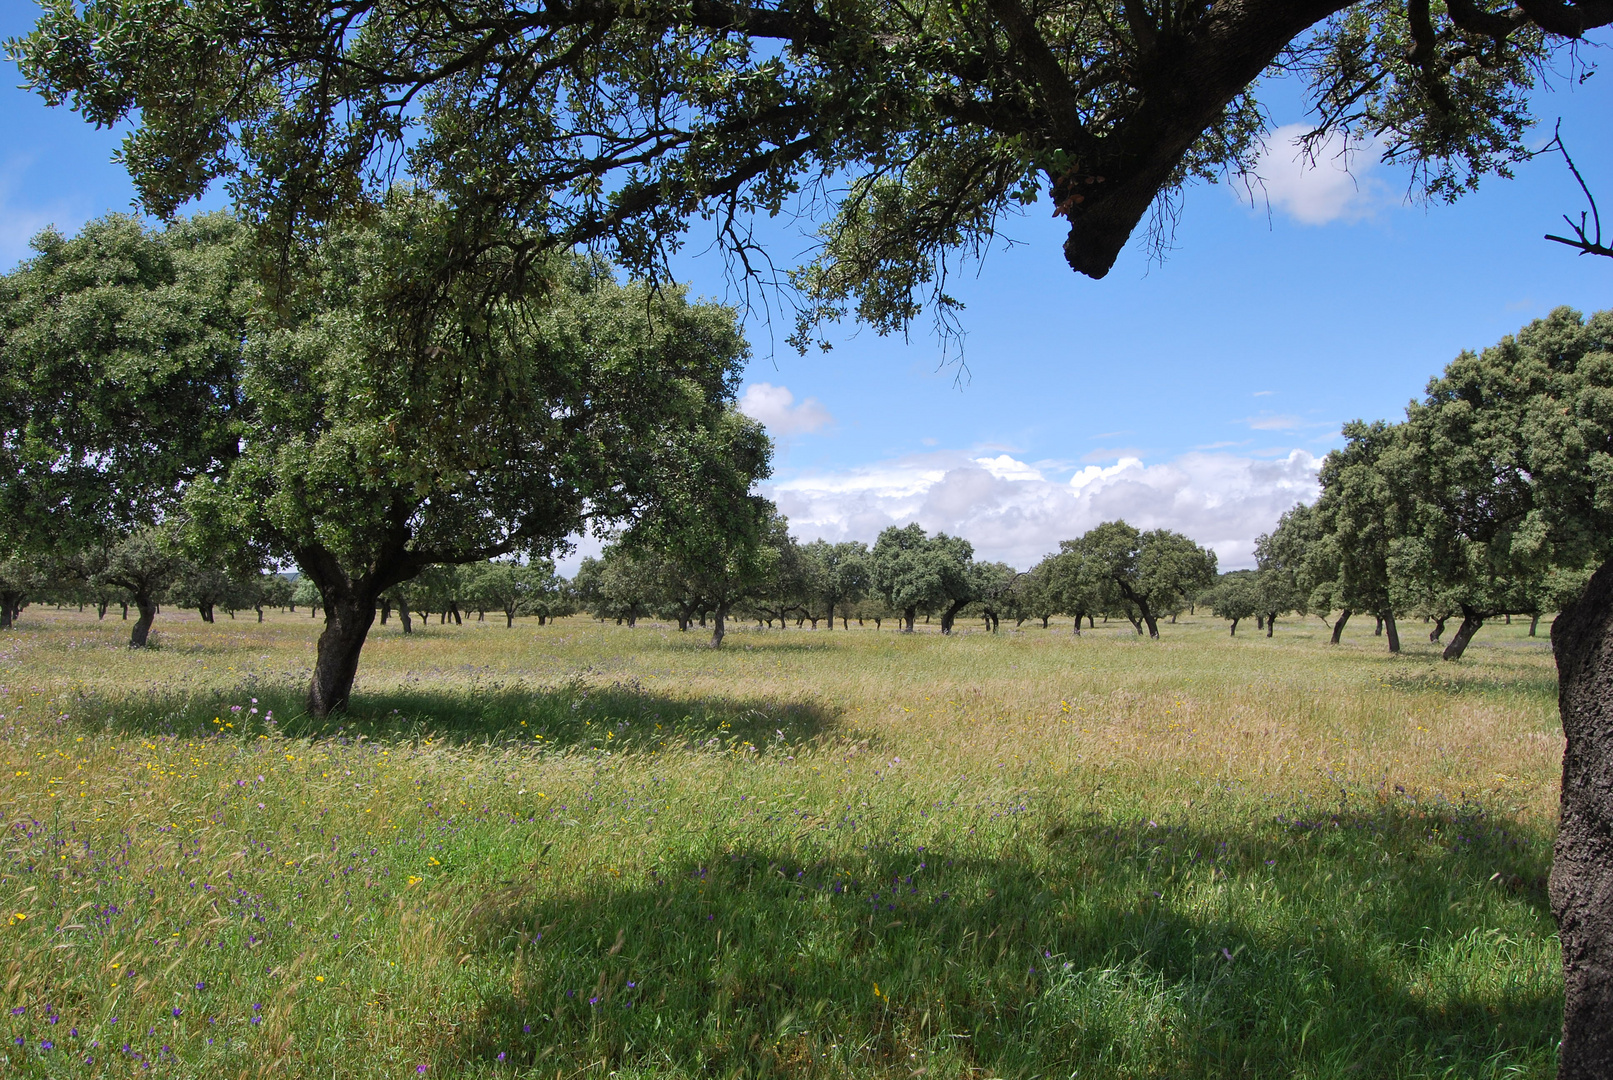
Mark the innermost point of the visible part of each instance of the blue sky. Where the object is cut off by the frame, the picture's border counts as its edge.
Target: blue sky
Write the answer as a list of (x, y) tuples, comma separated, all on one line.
[(1194, 393)]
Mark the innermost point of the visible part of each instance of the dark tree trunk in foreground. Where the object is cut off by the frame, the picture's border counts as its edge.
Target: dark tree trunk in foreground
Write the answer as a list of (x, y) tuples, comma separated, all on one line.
[(907, 619), (1338, 627), (1582, 870), (1388, 620), (1464, 634), (719, 626), (10, 603), (347, 624), (140, 634)]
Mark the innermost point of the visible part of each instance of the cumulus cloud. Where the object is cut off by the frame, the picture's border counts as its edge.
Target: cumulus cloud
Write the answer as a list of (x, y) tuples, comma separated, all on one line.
[(1012, 512), (775, 407), (1336, 184)]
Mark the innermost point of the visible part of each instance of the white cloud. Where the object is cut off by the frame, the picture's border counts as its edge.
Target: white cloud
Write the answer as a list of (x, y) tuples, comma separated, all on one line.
[(774, 406), (1012, 512), (1334, 184)]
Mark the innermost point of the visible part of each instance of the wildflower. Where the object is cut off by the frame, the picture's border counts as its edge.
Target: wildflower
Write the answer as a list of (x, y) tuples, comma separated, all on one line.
[(176, 1010), (593, 1000), (46, 1044), (501, 1055), (419, 1068), (19, 1010), (317, 978), (201, 986)]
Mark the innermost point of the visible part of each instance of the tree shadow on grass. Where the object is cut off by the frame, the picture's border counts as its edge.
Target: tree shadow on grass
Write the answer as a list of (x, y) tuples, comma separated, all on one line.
[(621, 717), (1406, 942)]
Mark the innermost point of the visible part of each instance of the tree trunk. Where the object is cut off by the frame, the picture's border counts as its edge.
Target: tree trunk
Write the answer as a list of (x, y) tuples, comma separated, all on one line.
[(403, 617), (259, 609), (100, 609), (1534, 623), (1234, 631), (1581, 888), (1260, 621), (719, 619), (1378, 630), (140, 634), (1388, 620), (205, 611), (1464, 634), (125, 605), (1438, 631), (453, 609), (950, 614), (1136, 623), (8, 604), (1075, 631), (907, 617), (1271, 623), (509, 618), (1338, 627), (386, 610), (347, 624)]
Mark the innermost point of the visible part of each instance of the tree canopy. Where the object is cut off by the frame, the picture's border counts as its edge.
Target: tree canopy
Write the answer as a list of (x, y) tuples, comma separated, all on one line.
[(921, 126)]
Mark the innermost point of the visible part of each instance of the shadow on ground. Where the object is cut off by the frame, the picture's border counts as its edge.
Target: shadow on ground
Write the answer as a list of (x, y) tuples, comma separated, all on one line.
[(1408, 942), (621, 717)]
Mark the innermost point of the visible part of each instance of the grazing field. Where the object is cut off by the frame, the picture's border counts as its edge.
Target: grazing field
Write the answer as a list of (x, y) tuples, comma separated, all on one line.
[(579, 850)]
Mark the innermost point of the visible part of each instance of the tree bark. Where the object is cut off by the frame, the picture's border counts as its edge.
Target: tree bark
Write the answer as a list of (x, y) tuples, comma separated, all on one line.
[(1581, 887), (949, 615), (1534, 623), (1387, 617), (403, 617), (1338, 627), (719, 627), (125, 605), (509, 618), (100, 609), (205, 611), (1076, 632), (347, 624), (907, 619), (386, 610), (1464, 634), (8, 604), (140, 634), (1234, 631), (1271, 623), (1438, 631)]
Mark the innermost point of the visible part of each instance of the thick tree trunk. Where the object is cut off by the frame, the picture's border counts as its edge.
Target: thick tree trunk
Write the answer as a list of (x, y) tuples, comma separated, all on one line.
[(7, 606), (1388, 620), (347, 624), (205, 611), (509, 618), (386, 610), (100, 609), (1581, 887), (719, 620), (907, 619), (1076, 631), (949, 615), (1378, 630), (1338, 627), (1271, 623), (1438, 631), (1464, 634), (403, 617), (1234, 631), (140, 634)]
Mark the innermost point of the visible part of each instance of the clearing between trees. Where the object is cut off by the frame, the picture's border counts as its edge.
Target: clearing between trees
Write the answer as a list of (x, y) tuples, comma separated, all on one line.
[(581, 849)]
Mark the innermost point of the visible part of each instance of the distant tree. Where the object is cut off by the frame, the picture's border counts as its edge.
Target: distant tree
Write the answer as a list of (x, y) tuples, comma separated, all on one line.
[(514, 588), (1152, 571), (1280, 557), (842, 577), (1360, 518), (19, 577), (1078, 580), (912, 570), (145, 563), (306, 593), (1235, 596), (996, 592)]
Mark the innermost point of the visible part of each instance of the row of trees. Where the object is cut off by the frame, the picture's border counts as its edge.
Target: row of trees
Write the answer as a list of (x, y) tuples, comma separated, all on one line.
[(1490, 499)]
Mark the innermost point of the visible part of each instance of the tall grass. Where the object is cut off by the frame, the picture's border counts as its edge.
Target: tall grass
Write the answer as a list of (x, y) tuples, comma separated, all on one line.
[(581, 849)]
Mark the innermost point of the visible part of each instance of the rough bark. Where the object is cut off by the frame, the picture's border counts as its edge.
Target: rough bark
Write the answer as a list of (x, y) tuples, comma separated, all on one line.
[(1534, 623), (10, 602), (719, 620), (140, 633), (205, 611), (509, 618), (1338, 627), (347, 624), (1388, 617), (1581, 887), (403, 617), (386, 610), (1378, 630), (1464, 634), (101, 606), (1234, 631)]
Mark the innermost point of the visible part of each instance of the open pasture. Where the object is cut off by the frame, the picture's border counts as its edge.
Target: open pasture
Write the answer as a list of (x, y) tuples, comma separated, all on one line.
[(579, 850)]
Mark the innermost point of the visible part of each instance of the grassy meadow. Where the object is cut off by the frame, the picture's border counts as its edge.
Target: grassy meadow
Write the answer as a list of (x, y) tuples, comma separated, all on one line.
[(583, 850)]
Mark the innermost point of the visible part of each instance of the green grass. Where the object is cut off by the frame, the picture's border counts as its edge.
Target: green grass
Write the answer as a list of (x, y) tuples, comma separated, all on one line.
[(584, 850)]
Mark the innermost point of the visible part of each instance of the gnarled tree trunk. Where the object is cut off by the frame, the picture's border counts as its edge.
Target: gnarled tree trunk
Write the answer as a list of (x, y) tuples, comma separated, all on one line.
[(140, 634), (1471, 621), (908, 616), (1438, 631), (949, 615), (1271, 623), (1387, 617), (1582, 871), (347, 624), (1338, 627), (719, 627)]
